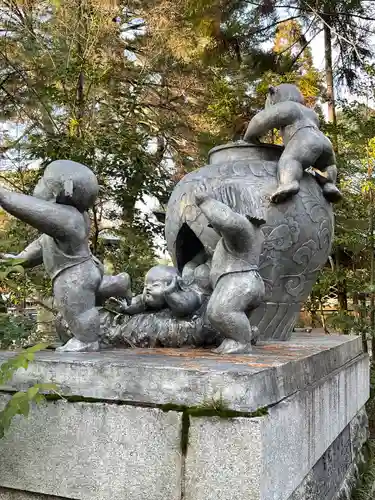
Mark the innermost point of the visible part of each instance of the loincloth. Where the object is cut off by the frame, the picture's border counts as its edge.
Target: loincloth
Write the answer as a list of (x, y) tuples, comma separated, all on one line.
[(249, 269)]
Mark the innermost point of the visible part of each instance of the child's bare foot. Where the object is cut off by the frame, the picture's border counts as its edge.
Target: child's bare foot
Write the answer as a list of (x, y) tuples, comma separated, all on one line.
[(331, 192), (75, 345), (229, 346), (201, 197), (284, 192), (254, 335)]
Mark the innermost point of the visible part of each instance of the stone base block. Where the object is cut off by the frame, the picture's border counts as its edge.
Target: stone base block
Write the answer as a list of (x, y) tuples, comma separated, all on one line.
[(94, 450), (269, 457), (284, 423), (8, 494)]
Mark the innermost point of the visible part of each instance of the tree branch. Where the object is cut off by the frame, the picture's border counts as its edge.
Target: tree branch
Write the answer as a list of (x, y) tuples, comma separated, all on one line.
[(294, 7), (29, 86), (295, 59), (298, 40), (276, 23)]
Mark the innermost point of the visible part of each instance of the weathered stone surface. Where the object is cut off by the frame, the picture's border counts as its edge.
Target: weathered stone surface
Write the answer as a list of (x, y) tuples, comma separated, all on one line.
[(328, 474), (94, 451), (306, 424), (359, 432), (335, 474), (313, 386), (271, 373), (293, 437), (7, 494), (224, 459)]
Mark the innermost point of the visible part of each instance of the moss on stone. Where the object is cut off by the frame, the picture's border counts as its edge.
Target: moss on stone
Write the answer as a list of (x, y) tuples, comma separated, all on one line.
[(210, 409), (185, 433), (213, 409)]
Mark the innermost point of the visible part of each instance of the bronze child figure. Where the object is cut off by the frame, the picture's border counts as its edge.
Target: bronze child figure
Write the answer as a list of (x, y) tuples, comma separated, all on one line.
[(164, 288), (305, 145), (237, 285), (58, 209)]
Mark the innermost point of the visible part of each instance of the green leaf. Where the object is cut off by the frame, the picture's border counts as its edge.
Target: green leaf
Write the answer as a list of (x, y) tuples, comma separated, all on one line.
[(19, 404), (17, 269), (16, 397), (32, 392), (21, 360), (24, 363), (10, 283), (39, 398), (17, 262), (29, 356), (24, 408), (6, 417), (37, 347)]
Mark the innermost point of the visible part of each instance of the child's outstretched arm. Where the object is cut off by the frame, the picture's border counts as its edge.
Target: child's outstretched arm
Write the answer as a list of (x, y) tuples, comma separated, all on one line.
[(276, 116), (190, 266), (59, 221), (137, 306), (32, 256), (235, 228), (181, 302)]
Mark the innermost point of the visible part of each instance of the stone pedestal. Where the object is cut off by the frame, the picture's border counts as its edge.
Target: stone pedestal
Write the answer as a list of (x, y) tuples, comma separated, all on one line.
[(285, 423)]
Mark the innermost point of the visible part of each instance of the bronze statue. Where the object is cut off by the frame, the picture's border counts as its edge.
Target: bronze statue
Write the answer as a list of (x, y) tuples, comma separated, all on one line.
[(58, 209), (242, 264), (235, 279), (305, 145)]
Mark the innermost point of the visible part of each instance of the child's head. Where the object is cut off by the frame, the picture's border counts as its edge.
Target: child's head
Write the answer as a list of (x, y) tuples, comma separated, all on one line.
[(68, 183), (157, 280), (284, 92)]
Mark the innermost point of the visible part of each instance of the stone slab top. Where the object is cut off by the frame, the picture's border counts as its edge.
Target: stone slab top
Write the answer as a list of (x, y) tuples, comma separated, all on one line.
[(193, 377)]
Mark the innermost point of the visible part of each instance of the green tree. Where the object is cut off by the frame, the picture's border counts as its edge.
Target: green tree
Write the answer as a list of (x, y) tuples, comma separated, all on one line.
[(354, 216), (139, 100), (297, 67), (68, 84)]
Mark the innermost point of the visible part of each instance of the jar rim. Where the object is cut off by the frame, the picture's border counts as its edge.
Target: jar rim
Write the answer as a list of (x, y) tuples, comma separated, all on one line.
[(243, 144)]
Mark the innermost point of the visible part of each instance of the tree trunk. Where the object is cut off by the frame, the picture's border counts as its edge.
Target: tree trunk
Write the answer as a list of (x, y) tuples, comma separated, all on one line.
[(329, 79), (324, 322), (95, 233), (342, 296), (80, 96), (372, 261), (341, 285), (80, 93)]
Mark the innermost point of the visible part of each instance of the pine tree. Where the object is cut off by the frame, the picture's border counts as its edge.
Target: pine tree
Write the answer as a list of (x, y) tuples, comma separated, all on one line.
[(295, 66)]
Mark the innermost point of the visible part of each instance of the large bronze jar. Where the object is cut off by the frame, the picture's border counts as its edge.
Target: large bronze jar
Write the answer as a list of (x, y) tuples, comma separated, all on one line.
[(298, 233)]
